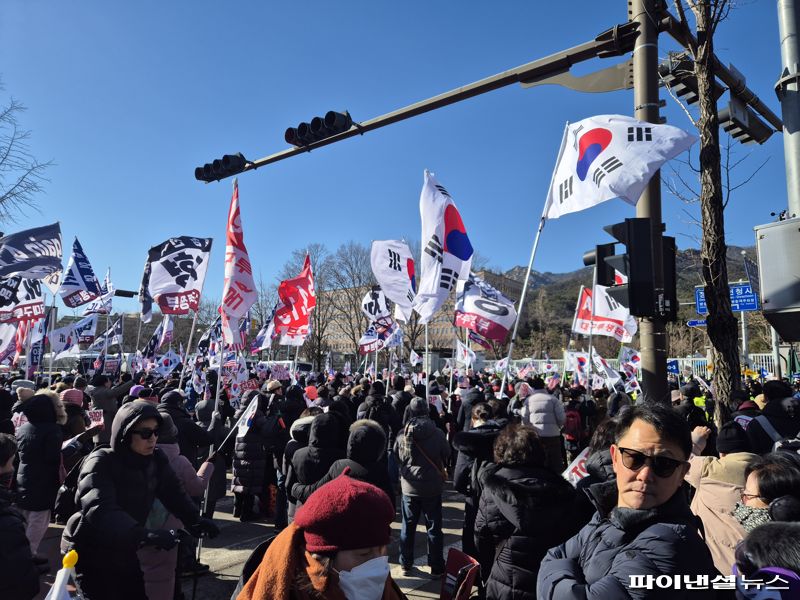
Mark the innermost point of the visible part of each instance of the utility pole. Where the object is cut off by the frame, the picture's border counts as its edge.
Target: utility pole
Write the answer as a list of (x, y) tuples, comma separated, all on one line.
[(652, 330), (788, 90)]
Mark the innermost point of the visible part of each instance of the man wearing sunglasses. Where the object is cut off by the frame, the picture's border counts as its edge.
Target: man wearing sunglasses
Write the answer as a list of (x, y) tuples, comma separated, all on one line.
[(642, 525)]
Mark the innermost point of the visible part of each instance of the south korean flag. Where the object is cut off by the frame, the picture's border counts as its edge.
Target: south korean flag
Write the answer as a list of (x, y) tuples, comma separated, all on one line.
[(609, 156), (446, 252)]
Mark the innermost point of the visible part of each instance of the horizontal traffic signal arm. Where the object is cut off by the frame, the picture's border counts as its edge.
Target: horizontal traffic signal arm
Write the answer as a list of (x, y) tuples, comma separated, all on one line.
[(617, 41)]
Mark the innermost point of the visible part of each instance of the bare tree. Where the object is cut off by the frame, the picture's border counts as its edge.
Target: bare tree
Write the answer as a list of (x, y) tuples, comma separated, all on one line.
[(21, 175), (351, 276), (721, 324)]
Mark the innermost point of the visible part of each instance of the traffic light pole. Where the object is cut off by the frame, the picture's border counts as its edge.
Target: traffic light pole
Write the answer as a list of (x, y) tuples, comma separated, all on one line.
[(652, 331), (788, 90)]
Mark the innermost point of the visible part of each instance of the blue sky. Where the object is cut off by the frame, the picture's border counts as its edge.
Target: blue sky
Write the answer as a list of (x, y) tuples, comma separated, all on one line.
[(127, 98)]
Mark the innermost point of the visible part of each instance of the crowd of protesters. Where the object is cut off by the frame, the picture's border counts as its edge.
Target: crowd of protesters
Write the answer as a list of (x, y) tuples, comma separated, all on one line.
[(568, 492)]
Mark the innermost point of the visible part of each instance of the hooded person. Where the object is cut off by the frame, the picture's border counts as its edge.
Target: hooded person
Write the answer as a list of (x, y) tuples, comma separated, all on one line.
[(106, 397), (299, 433), (327, 442), (366, 461), (158, 566), (116, 492), (39, 472), (211, 415), (336, 549), (779, 419), (249, 458), (191, 436)]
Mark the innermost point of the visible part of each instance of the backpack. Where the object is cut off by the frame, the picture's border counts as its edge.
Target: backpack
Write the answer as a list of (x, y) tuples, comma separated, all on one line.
[(276, 434), (779, 442), (573, 428)]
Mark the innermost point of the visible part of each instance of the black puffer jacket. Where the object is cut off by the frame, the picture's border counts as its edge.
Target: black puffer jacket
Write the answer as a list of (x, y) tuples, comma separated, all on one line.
[(116, 491), (468, 400), (326, 444), (523, 512), (618, 543), (366, 461), (474, 445), (249, 454), (191, 436), (19, 577), (39, 448), (211, 418)]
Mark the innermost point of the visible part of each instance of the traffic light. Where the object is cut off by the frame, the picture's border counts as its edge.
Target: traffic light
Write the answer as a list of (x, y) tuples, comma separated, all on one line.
[(670, 308), (638, 294), (743, 124), (230, 164), (318, 129), (677, 73), (597, 257)]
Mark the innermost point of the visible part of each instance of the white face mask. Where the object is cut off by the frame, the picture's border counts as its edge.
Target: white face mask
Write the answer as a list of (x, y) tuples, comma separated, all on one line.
[(366, 581)]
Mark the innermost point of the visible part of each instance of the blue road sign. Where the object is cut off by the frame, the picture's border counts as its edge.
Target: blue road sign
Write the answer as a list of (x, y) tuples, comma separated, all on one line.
[(742, 298), (696, 323)]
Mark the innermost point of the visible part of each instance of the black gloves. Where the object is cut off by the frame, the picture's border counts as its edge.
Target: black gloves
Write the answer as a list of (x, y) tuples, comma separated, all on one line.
[(162, 539), (204, 526)]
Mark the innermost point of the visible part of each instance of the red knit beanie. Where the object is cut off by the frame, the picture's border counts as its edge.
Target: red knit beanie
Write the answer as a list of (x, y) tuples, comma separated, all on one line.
[(345, 514)]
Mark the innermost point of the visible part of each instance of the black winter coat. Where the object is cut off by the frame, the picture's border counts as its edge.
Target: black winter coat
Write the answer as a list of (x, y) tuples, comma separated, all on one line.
[(191, 436), (116, 492), (39, 448), (250, 457), (366, 459), (468, 400), (786, 426), (326, 444), (474, 445), (211, 419), (618, 543), (19, 577), (523, 512)]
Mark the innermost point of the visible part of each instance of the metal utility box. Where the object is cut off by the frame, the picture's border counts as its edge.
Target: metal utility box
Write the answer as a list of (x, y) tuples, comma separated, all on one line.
[(778, 247)]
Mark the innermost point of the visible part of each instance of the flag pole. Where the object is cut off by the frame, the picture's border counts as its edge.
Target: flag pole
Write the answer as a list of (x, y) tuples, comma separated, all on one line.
[(453, 366), (591, 324), (533, 256), (50, 341), (522, 296), (426, 366)]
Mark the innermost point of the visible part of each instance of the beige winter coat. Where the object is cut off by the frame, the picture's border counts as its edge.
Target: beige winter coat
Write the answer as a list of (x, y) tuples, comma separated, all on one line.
[(719, 483)]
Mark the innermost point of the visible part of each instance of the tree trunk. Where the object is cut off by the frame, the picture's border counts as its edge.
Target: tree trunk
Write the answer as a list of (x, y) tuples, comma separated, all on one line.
[(721, 324)]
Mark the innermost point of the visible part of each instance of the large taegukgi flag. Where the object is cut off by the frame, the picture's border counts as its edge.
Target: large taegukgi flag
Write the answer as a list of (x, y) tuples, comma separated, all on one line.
[(297, 300), (393, 267), (173, 276), (446, 249), (239, 291), (610, 156)]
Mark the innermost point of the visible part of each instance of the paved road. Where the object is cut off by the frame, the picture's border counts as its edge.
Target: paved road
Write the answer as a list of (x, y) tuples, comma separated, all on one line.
[(227, 553)]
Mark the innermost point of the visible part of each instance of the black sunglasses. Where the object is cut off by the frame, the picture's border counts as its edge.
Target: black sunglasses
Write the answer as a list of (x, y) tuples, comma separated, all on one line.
[(662, 466), (146, 434)]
